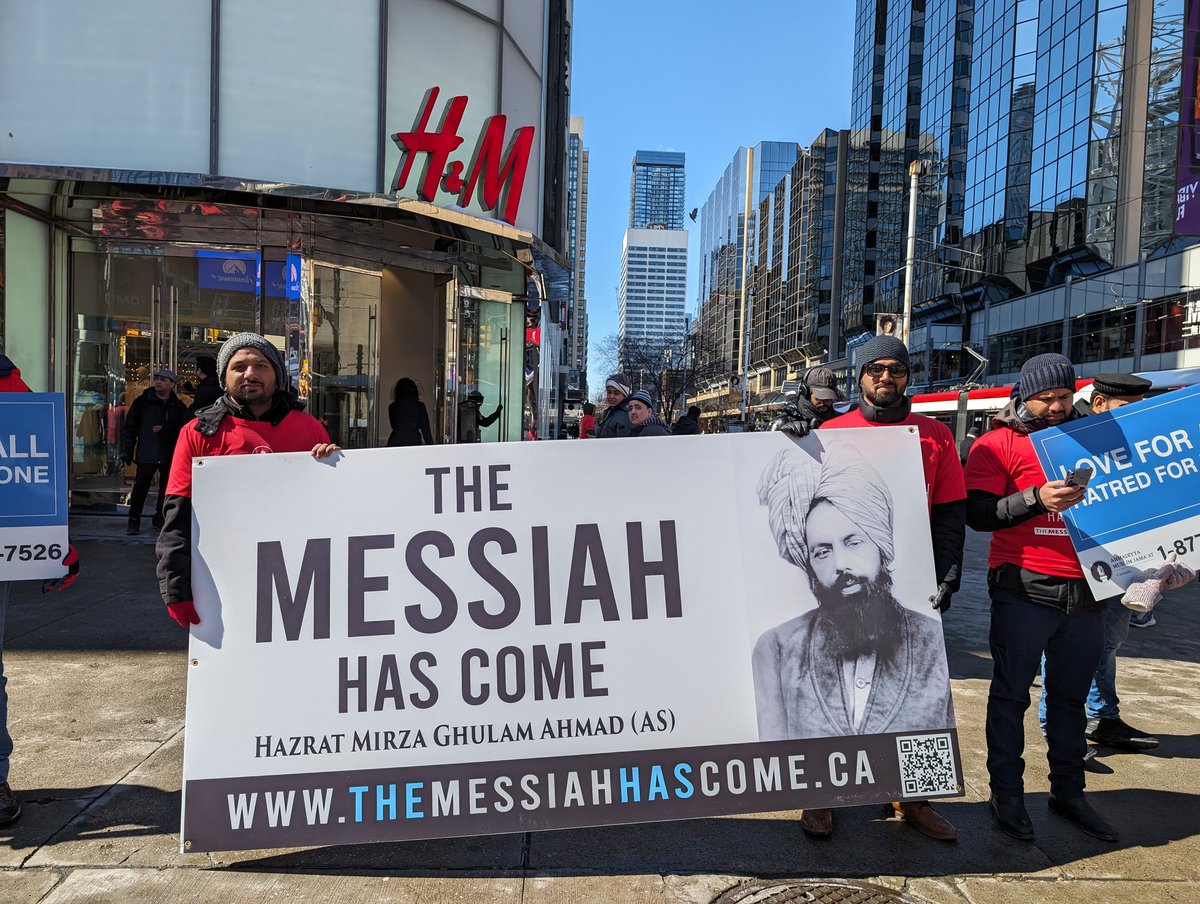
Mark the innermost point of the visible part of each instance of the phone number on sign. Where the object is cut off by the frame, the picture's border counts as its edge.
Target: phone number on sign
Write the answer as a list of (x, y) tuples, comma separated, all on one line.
[(31, 552), (1180, 547)]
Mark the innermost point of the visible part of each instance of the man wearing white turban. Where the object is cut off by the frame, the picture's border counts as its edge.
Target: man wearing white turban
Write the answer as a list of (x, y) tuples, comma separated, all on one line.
[(860, 663)]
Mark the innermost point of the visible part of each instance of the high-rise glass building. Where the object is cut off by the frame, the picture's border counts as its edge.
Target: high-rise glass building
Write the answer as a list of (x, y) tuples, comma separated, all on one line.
[(652, 297), (577, 207), (729, 249), (656, 190)]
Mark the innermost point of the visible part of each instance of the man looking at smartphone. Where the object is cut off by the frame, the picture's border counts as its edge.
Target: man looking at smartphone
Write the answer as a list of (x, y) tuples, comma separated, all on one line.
[(1040, 602)]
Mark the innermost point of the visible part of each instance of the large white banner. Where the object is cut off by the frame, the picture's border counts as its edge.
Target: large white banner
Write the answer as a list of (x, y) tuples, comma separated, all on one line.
[(457, 640)]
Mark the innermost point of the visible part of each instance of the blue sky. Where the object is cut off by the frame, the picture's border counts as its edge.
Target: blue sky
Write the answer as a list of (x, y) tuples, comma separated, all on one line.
[(702, 77)]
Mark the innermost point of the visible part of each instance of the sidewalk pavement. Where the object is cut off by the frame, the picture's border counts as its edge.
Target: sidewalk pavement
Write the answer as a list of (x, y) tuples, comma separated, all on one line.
[(97, 683)]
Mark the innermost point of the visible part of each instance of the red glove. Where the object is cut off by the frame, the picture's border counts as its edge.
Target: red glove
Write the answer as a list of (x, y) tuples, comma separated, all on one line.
[(184, 613), (71, 561)]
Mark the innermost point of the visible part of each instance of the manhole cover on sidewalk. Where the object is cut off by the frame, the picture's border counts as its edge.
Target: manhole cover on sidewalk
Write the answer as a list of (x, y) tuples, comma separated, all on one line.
[(789, 890)]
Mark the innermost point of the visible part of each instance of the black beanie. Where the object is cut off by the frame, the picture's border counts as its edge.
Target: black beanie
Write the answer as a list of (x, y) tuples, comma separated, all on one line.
[(881, 347), (1048, 371), (237, 342)]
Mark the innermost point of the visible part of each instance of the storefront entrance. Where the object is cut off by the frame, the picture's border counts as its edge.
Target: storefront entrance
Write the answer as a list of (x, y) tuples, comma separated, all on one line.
[(168, 306)]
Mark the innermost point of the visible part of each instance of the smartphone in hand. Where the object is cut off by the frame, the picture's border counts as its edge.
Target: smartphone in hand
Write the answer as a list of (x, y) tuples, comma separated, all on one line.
[(1078, 477)]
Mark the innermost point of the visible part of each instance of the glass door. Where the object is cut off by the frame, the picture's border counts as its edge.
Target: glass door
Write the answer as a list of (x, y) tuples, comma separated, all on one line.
[(134, 313), (345, 318)]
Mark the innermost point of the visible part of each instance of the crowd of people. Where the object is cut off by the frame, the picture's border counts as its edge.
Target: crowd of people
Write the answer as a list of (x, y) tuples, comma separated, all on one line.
[(1043, 614)]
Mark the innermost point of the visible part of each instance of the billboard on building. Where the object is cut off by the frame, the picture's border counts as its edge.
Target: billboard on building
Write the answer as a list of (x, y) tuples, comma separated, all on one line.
[(1187, 210), (448, 649)]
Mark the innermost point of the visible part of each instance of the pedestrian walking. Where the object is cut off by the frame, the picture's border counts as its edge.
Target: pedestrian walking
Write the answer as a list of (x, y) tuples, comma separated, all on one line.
[(10, 806), (152, 427), (642, 420), (1040, 602), (408, 417), (883, 380), (615, 422), (258, 412)]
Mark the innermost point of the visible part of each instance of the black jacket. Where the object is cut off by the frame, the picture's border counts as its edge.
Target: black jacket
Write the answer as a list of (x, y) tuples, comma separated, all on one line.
[(410, 423), (208, 391), (686, 426), (144, 443), (616, 421)]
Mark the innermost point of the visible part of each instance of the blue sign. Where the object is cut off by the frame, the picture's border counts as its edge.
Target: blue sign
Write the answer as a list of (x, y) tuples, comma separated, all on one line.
[(228, 271), (33, 460), (1146, 472)]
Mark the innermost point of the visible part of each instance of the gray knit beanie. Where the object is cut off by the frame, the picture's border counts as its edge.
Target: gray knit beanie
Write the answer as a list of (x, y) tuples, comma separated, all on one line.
[(1048, 371), (643, 396), (881, 347), (237, 342)]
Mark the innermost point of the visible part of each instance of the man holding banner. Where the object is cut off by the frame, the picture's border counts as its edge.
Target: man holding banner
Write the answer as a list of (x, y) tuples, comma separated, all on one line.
[(883, 379), (1040, 601), (259, 412)]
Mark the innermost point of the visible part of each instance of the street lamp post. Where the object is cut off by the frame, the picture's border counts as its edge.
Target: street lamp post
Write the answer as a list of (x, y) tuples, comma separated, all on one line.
[(749, 316)]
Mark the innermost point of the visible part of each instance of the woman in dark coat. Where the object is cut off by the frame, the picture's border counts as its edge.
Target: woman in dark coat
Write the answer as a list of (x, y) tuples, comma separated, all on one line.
[(408, 417)]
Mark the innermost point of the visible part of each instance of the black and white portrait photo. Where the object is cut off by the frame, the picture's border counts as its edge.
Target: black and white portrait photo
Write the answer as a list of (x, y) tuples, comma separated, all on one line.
[(862, 661)]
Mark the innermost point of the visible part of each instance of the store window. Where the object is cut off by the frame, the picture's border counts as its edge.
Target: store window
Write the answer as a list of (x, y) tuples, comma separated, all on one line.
[(1102, 336), (1172, 324), (1008, 351)]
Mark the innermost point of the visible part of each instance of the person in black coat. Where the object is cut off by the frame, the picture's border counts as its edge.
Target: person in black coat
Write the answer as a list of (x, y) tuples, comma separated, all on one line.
[(151, 428), (408, 417), (208, 390), (689, 424)]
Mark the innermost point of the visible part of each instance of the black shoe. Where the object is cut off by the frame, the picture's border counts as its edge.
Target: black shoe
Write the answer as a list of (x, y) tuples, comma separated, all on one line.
[(1080, 812), (10, 807), (157, 521), (134, 528), (1115, 733), (1009, 810)]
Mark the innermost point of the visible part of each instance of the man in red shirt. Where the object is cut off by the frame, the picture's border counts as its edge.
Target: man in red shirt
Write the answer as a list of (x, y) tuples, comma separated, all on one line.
[(1040, 602), (259, 412), (883, 379)]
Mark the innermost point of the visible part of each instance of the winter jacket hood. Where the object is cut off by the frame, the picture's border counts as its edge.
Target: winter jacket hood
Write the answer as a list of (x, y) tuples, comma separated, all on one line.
[(1010, 416)]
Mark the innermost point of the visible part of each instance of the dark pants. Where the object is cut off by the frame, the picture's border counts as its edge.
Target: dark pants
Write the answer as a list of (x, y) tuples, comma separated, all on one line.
[(141, 486), (1021, 630)]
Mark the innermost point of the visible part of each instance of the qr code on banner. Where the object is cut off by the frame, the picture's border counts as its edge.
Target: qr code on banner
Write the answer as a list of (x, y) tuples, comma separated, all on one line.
[(927, 765)]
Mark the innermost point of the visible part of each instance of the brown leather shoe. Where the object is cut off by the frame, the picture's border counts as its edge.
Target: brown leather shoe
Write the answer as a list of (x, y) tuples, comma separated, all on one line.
[(925, 819), (818, 823)]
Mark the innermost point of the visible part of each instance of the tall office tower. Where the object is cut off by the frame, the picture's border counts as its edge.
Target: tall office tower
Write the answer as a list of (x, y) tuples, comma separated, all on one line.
[(885, 138), (653, 292), (1074, 170), (728, 246), (577, 205), (656, 190)]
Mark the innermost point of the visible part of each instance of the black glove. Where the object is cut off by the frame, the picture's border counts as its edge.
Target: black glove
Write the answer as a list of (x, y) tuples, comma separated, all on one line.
[(941, 599)]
